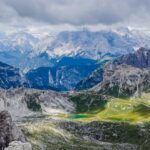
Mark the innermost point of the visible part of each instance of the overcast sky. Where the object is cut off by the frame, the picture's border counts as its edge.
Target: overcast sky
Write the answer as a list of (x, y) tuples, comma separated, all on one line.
[(33, 14)]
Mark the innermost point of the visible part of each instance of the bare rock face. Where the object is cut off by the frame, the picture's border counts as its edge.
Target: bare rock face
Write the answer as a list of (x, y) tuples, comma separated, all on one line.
[(124, 80), (8, 130), (139, 59), (17, 145), (28, 102)]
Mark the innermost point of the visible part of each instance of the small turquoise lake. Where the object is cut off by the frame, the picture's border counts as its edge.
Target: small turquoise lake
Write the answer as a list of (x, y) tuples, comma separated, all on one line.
[(78, 116)]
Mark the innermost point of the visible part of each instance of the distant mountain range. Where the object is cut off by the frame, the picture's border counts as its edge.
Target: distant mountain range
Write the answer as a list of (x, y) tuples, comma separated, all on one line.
[(63, 76), (107, 84), (69, 60), (76, 73), (27, 51)]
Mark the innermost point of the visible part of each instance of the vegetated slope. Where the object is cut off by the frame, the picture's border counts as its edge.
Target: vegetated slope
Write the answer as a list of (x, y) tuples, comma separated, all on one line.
[(90, 81), (64, 75), (62, 134), (132, 109), (49, 133), (119, 96)]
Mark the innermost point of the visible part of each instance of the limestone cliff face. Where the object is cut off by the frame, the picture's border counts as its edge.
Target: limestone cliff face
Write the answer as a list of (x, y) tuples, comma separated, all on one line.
[(139, 59), (126, 75), (30, 102), (8, 130), (124, 80)]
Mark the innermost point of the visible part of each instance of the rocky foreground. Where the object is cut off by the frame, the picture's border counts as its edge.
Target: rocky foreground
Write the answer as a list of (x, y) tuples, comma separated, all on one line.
[(10, 135), (41, 115), (45, 133), (52, 134)]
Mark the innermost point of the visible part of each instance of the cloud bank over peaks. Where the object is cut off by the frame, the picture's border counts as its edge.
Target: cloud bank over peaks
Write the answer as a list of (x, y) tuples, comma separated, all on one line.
[(68, 13)]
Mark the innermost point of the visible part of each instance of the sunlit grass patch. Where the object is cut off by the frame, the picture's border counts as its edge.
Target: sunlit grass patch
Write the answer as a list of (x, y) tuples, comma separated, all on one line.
[(119, 109)]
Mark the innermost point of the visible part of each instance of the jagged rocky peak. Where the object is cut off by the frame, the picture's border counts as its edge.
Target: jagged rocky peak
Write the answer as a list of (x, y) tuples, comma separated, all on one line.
[(124, 80), (8, 130), (140, 59)]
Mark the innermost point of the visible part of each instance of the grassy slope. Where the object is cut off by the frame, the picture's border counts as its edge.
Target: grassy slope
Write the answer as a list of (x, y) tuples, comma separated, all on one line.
[(48, 135), (117, 109)]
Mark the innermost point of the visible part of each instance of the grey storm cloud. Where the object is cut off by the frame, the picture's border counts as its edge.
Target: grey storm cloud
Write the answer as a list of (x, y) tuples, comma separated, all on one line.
[(75, 12)]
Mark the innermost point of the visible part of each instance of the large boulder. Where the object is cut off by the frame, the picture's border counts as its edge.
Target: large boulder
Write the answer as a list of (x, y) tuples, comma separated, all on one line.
[(8, 130), (17, 145)]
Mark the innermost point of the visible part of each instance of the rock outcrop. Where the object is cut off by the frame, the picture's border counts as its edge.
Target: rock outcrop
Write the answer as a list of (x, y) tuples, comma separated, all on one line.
[(29, 102), (97, 135), (139, 59), (124, 80), (8, 130), (123, 135), (132, 68), (17, 145)]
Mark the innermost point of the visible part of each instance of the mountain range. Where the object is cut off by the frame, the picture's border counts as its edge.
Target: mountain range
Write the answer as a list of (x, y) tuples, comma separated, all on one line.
[(70, 59), (28, 51), (78, 90), (75, 73), (139, 59)]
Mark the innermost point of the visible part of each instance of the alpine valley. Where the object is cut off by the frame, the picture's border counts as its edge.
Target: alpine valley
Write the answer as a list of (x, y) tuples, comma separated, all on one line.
[(75, 90)]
